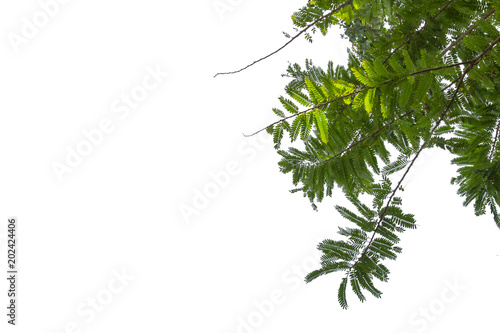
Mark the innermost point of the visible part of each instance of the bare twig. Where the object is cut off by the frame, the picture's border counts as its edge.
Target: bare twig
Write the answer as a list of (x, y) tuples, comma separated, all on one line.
[(295, 37)]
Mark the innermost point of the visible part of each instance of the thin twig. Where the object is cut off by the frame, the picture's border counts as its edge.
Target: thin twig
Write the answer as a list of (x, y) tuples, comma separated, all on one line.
[(438, 68), (450, 84), (291, 40)]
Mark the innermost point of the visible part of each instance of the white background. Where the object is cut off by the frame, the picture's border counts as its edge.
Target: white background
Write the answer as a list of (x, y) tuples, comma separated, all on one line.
[(119, 209)]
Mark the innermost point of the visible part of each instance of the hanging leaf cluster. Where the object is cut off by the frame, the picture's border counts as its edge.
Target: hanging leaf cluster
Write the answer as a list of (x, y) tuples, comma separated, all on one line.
[(420, 75)]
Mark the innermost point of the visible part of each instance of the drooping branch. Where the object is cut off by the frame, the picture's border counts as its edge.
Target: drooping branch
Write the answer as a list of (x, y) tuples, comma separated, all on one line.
[(293, 38), (393, 193), (472, 63), (472, 27)]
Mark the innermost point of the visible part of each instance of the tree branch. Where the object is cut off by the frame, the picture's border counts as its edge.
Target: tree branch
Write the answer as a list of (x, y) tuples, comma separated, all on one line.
[(393, 193), (295, 37), (472, 63), (438, 68)]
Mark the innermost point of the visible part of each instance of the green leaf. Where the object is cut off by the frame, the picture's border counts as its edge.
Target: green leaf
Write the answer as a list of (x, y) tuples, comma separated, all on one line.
[(385, 96), (356, 287), (405, 93), (279, 113), (396, 66), (315, 92), (278, 135), (299, 97), (362, 78), (409, 65), (342, 294), (326, 269), (367, 284), (423, 86), (288, 105), (359, 100), (496, 215), (322, 125), (370, 100), (296, 127), (475, 42)]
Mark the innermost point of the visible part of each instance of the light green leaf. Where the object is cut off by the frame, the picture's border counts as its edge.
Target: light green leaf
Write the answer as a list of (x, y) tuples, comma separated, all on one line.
[(322, 124)]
